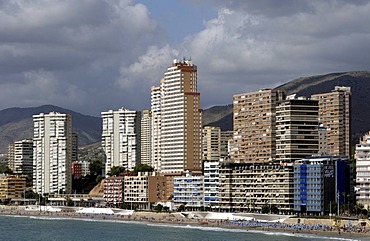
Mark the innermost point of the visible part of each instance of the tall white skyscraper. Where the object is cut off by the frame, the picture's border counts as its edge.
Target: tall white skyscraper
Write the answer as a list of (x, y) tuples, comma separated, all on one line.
[(120, 139), (156, 128), (52, 153), (180, 132), (146, 133)]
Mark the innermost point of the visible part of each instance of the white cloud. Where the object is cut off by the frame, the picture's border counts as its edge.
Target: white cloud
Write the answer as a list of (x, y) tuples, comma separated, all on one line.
[(148, 69), (254, 45)]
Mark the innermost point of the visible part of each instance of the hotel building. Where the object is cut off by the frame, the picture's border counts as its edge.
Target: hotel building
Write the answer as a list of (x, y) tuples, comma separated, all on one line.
[(247, 187), (320, 180), (297, 129), (120, 139), (211, 143), (335, 116), (156, 128), (12, 187), (146, 135), (255, 126), (52, 153), (180, 134)]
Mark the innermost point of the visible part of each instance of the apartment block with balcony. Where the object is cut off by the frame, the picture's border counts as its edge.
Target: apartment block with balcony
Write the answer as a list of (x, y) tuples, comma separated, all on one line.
[(335, 117), (20, 157), (52, 153), (113, 191), (248, 187), (296, 129), (211, 143), (12, 187), (189, 191), (320, 180), (144, 190), (120, 139), (362, 156), (211, 183), (255, 126)]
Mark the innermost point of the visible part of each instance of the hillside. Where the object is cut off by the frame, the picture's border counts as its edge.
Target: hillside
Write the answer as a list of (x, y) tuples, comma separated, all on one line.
[(359, 81), (17, 124)]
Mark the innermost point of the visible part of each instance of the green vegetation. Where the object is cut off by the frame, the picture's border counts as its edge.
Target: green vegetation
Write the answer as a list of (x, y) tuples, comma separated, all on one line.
[(143, 168), (5, 169), (96, 167), (116, 170)]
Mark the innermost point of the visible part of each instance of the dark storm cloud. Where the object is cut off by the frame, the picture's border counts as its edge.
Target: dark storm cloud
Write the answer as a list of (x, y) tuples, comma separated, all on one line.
[(69, 53)]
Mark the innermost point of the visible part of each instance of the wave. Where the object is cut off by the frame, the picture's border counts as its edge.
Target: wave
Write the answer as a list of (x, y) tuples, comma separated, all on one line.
[(236, 230), (85, 219), (203, 228)]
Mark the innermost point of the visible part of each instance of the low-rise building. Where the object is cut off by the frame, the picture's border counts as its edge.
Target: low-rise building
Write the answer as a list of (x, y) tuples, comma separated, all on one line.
[(144, 190), (113, 191), (319, 181), (12, 187), (248, 187), (189, 191), (362, 156), (211, 183)]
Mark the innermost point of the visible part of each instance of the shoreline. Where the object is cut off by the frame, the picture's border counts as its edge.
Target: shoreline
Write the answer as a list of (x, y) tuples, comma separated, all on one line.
[(176, 219)]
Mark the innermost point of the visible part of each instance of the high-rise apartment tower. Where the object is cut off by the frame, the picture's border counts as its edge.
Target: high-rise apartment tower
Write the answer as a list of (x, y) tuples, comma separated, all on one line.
[(52, 153), (180, 134), (255, 126)]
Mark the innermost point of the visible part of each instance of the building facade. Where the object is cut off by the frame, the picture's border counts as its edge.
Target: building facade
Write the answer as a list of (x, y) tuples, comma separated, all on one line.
[(180, 119), (20, 157), (189, 191), (320, 181), (211, 143), (362, 156), (52, 153), (335, 116), (12, 187), (156, 128), (144, 190), (248, 187), (211, 184), (296, 129), (255, 126), (120, 139), (113, 191), (146, 135)]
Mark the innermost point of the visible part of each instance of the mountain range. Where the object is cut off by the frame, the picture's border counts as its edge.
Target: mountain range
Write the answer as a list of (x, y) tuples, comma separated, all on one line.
[(359, 81), (16, 123)]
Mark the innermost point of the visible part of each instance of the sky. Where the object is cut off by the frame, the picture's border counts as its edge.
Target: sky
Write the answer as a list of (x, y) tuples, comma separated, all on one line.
[(95, 55)]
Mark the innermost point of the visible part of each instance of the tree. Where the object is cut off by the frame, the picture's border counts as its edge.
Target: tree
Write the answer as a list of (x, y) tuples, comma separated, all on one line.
[(143, 168), (96, 167), (116, 170), (158, 208), (181, 208), (99, 178), (265, 209)]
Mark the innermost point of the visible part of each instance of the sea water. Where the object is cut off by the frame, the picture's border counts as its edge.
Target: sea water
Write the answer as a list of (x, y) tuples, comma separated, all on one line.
[(52, 228)]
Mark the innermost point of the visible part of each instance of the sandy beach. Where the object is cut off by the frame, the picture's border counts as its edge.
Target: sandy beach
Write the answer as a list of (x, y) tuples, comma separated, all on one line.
[(320, 227)]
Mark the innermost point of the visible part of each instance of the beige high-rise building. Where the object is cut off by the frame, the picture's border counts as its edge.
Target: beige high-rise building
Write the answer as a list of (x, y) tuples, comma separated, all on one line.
[(255, 126), (296, 129), (52, 155), (335, 116), (146, 135), (211, 143), (180, 119)]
